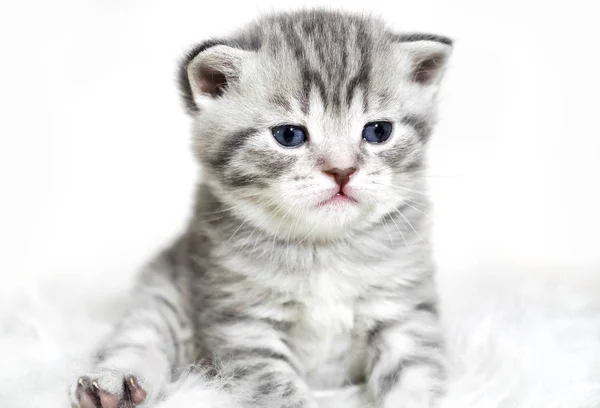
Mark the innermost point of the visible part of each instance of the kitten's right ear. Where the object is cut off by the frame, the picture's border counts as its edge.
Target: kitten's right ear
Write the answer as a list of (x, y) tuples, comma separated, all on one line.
[(207, 71), (427, 56)]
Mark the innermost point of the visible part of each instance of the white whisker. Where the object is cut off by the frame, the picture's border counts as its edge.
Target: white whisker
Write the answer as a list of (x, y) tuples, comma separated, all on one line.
[(410, 225)]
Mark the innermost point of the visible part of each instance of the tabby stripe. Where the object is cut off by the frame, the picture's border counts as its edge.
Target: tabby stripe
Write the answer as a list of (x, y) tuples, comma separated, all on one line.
[(419, 125), (260, 353), (174, 340), (172, 307), (231, 146), (429, 306)]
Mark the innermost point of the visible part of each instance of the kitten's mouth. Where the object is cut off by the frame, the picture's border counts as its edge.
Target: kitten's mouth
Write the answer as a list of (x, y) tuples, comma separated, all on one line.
[(340, 198)]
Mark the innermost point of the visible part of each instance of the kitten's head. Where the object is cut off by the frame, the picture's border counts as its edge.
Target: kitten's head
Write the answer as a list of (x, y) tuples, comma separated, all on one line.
[(313, 123)]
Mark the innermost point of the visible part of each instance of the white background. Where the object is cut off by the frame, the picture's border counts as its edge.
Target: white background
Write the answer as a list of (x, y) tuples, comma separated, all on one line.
[(96, 170)]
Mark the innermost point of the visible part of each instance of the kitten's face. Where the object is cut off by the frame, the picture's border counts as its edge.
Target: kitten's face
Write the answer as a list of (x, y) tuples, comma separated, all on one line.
[(317, 154)]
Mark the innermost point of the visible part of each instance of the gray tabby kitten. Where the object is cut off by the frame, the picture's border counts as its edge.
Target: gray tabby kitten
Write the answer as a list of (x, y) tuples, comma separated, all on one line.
[(305, 264)]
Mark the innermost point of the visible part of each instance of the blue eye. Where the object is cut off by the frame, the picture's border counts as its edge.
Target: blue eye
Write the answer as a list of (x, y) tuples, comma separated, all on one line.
[(289, 135), (377, 132)]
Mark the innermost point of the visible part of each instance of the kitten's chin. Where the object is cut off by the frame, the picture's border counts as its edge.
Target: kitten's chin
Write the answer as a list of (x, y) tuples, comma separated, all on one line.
[(330, 216), (333, 218)]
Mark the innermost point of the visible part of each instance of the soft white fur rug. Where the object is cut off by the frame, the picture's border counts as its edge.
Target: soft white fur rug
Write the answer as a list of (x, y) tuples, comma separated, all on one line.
[(518, 337)]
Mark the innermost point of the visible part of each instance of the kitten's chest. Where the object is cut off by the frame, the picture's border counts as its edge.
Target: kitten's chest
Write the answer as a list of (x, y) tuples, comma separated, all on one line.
[(329, 333), (329, 301)]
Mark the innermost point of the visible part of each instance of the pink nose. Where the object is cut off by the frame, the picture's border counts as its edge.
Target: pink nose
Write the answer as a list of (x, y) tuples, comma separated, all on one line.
[(341, 176)]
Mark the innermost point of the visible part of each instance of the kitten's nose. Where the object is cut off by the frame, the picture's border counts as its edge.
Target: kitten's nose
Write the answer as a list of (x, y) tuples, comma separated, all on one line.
[(341, 176)]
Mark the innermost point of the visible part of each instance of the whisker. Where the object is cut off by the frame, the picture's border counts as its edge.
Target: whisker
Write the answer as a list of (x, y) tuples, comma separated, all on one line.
[(416, 209), (410, 225), (412, 190), (386, 227), (307, 235), (278, 226), (235, 232), (257, 226)]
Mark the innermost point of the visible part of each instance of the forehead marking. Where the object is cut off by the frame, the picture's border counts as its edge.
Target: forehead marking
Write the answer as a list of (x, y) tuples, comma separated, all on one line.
[(328, 71)]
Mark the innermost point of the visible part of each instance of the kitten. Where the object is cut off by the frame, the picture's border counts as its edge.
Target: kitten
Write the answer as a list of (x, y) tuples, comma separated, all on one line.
[(305, 265)]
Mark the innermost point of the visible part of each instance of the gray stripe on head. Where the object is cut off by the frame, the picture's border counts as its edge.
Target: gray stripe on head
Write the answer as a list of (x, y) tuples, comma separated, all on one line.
[(325, 47), (294, 41), (281, 101), (343, 73), (310, 77), (230, 147), (362, 78), (419, 124), (318, 31)]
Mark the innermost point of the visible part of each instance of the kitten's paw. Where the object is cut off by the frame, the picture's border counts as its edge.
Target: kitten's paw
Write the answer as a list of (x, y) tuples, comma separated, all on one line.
[(107, 389)]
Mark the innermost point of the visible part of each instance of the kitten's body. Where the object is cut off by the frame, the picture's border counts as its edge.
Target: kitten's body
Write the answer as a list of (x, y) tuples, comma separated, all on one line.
[(275, 285), (328, 296)]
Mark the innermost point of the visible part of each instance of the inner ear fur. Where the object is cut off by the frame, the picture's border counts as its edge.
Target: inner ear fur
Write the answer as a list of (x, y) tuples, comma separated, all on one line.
[(208, 70)]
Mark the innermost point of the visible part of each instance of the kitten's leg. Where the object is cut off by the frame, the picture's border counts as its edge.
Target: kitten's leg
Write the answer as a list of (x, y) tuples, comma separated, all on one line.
[(406, 363), (136, 361), (260, 368)]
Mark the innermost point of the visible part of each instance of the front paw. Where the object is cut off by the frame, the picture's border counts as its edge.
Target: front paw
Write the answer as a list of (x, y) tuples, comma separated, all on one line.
[(107, 389)]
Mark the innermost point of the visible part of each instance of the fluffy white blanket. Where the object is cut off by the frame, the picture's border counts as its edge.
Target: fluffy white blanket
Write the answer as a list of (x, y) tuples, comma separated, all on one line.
[(517, 338)]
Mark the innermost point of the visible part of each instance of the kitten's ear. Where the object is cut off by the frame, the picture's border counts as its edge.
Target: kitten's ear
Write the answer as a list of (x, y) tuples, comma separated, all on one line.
[(208, 71), (427, 56)]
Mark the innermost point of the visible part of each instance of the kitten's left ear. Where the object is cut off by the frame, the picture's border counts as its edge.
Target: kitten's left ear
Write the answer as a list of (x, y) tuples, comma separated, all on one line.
[(427, 56)]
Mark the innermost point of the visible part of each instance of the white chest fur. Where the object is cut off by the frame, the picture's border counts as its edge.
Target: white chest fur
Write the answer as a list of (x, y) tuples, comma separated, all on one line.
[(326, 336)]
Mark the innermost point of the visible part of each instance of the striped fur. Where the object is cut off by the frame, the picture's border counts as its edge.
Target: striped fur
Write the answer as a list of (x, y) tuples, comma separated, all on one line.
[(268, 289)]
